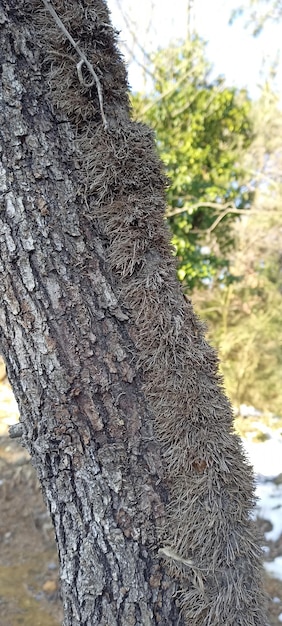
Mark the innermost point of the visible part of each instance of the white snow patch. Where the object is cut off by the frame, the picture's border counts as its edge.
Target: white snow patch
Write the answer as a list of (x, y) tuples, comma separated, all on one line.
[(266, 456), (247, 411), (269, 507), (275, 567)]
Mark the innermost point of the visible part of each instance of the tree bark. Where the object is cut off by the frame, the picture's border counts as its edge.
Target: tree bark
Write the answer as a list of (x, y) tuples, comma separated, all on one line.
[(121, 406)]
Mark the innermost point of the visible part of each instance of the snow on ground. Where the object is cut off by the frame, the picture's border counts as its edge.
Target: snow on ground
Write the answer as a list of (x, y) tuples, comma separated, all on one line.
[(270, 507), (275, 567), (266, 457)]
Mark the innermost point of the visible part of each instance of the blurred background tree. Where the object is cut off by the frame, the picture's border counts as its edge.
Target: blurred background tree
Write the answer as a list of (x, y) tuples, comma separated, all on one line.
[(245, 315), (257, 13), (223, 157), (202, 127)]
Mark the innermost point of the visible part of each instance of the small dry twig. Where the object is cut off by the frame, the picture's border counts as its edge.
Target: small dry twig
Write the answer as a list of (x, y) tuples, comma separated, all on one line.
[(83, 60), (168, 553)]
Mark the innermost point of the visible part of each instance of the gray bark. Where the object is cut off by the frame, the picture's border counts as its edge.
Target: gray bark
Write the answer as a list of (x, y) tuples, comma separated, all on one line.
[(72, 363), (120, 403)]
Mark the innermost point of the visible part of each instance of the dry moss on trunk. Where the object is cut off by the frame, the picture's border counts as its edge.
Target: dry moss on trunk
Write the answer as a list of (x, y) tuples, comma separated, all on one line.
[(209, 539)]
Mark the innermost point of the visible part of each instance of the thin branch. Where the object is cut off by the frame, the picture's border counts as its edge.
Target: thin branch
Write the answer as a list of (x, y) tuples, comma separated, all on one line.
[(264, 177), (223, 214), (194, 207), (132, 30), (16, 430), (174, 88), (137, 61), (224, 210), (220, 217), (83, 61), (167, 93), (131, 27)]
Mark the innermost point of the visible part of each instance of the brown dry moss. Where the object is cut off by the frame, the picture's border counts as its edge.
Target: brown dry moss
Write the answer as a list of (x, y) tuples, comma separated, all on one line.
[(209, 540)]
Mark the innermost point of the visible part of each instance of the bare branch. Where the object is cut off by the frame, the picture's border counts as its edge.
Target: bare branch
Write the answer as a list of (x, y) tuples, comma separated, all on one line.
[(223, 214), (225, 209), (131, 27), (167, 93), (197, 205)]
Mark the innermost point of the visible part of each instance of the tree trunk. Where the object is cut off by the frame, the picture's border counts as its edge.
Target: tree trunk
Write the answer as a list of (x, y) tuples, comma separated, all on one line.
[(121, 407)]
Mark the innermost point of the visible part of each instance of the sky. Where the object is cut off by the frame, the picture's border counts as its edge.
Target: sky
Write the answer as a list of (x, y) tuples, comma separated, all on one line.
[(231, 49)]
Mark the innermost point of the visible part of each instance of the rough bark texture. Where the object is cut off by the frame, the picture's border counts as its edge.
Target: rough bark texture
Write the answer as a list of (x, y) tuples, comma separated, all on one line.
[(121, 405)]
